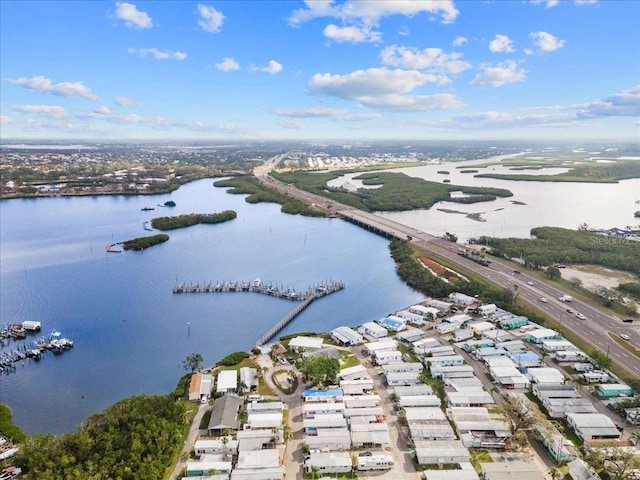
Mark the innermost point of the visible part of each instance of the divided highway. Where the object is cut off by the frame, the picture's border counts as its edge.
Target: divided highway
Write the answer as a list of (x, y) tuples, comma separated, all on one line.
[(595, 330)]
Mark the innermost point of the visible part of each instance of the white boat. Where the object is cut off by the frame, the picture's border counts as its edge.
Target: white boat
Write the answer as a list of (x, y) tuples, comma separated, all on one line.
[(257, 283)]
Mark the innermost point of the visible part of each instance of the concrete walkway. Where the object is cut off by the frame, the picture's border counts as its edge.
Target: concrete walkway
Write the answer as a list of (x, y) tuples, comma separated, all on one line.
[(190, 441)]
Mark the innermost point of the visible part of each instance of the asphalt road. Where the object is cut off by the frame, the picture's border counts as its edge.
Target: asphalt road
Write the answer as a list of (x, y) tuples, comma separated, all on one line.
[(595, 330)]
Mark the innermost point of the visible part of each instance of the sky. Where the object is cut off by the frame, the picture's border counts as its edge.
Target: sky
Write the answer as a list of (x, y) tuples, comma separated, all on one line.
[(320, 70)]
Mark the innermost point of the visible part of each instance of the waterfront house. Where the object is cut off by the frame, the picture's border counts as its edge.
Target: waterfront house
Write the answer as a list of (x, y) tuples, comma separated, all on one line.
[(428, 313), (372, 329), (442, 307), (393, 323), (200, 387), (346, 336), (249, 378), (227, 381), (300, 344)]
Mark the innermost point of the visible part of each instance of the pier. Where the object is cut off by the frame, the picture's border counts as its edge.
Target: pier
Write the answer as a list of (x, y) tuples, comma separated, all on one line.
[(33, 350), (318, 292), (257, 286)]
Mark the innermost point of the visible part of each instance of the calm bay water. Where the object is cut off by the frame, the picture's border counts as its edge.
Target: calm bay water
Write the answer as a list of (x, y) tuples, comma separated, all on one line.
[(555, 204), (131, 332)]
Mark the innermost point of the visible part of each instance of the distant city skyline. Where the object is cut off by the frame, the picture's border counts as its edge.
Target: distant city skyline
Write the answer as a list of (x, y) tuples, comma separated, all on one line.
[(320, 69)]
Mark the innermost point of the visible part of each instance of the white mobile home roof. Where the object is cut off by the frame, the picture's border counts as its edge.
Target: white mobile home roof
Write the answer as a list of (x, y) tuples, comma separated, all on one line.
[(478, 397), (452, 371), (358, 401), (540, 334), (227, 380), (411, 334), (329, 420), (356, 387), (445, 360), (365, 433), (441, 451), (463, 384), (424, 311), (387, 356), (440, 351), (249, 376), (422, 389), (272, 473), (353, 373), (346, 335), (402, 367), (481, 327), (364, 412), (450, 475), (381, 345), (322, 408), (373, 329), (419, 401), (264, 420), (312, 343), (265, 407), (546, 375), (424, 413), (553, 344), (426, 343), (259, 459), (331, 438)]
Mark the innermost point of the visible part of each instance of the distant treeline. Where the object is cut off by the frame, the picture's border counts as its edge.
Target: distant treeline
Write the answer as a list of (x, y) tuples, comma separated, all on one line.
[(584, 172), (396, 191), (248, 184), (144, 242), (134, 439), (560, 245), (170, 223)]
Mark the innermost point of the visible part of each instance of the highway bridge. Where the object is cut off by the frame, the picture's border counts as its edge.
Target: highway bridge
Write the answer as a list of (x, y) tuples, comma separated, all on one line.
[(600, 329)]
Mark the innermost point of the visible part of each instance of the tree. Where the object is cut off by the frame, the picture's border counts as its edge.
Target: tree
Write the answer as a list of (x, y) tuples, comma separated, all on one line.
[(193, 362), (287, 433), (600, 360), (575, 282), (553, 273), (315, 471), (321, 369)]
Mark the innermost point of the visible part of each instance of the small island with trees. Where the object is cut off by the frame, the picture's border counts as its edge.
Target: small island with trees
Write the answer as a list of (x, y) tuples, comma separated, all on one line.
[(181, 221), (144, 242)]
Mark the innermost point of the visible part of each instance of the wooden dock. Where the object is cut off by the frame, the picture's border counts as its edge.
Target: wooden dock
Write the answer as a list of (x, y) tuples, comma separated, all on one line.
[(257, 286), (318, 292)]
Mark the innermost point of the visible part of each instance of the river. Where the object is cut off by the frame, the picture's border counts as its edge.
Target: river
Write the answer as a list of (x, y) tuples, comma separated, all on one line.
[(131, 333)]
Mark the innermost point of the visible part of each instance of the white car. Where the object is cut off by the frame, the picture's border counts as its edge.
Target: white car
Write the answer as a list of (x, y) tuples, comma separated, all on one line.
[(530, 283), (624, 336), (581, 316), (543, 299)]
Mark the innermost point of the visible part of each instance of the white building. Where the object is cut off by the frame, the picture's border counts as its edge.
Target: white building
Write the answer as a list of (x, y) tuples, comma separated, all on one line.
[(462, 299), (541, 334), (227, 381), (372, 348), (368, 435), (356, 372), (402, 378), (593, 426), (488, 309), (410, 335), (329, 439), (299, 344), (372, 329), (332, 462), (374, 462), (442, 307), (545, 376), (402, 367), (445, 452), (387, 356), (443, 361), (429, 313), (356, 387), (346, 336), (249, 377)]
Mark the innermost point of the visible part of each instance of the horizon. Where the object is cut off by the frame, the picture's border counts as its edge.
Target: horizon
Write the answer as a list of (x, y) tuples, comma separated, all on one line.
[(320, 71)]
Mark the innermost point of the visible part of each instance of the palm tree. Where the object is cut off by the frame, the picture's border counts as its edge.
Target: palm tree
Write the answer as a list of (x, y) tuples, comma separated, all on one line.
[(315, 471), (287, 433), (555, 473)]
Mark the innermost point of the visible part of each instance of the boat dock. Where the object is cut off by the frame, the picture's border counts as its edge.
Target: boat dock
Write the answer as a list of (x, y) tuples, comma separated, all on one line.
[(33, 350), (257, 286), (310, 296)]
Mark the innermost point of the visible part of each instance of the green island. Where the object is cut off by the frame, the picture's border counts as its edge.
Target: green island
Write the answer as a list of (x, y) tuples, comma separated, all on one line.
[(144, 242), (248, 184), (181, 221), (584, 171), (396, 192)]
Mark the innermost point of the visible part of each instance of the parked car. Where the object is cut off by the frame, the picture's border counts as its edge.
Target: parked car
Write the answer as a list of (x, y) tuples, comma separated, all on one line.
[(365, 454), (543, 299), (581, 316), (624, 336)]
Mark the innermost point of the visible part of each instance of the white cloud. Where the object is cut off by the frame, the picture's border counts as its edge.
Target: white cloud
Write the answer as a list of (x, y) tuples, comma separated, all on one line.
[(503, 73), (501, 43), (273, 67), (4, 120), (323, 112), (413, 103), (553, 3), (123, 101), (210, 19), (370, 82), (314, 112), (624, 104), (370, 11), (63, 89), (103, 110), (292, 125), (352, 34), (546, 42), (158, 54), (227, 64), (458, 41), (433, 59), (132, 17), (130, 118), (52, 111)]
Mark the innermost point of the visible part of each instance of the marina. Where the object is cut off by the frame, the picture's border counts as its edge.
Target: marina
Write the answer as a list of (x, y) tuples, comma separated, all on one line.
[(258, 286), (31, 350)]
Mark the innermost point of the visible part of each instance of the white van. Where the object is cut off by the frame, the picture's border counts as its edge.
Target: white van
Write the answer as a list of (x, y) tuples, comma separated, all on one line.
[(254, 398)]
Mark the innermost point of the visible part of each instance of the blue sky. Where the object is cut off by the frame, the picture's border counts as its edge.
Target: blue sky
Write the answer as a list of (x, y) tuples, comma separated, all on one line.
[(341, 69)]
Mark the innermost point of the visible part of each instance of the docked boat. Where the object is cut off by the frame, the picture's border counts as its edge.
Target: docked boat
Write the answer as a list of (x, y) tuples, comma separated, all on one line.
[(257, 283)]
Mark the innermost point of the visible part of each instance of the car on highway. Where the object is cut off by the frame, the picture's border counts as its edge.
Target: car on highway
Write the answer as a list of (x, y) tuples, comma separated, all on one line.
[(516, 271), (624, 336), (543, 299), (530, 283), (581, 316), (627, 320), (569, 310)]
